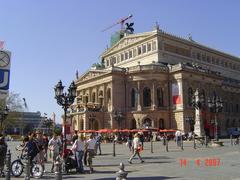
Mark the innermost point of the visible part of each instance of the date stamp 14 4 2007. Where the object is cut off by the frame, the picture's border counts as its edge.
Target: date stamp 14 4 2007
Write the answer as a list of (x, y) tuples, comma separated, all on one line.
[(199, 162)]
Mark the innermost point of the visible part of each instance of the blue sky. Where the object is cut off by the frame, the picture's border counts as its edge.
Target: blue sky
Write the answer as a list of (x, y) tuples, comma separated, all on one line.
[(50, 40)]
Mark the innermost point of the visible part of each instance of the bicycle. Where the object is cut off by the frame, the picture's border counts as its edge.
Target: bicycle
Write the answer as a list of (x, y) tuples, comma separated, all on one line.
[(17, 167)]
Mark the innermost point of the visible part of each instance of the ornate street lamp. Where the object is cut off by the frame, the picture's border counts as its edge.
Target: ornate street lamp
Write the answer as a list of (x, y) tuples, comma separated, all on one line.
[(118, 116), (65, 100), (215, 105), (198, 102), (3, 116)]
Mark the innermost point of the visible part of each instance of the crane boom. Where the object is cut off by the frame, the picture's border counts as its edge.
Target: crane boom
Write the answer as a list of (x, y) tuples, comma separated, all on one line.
[(121, 21)]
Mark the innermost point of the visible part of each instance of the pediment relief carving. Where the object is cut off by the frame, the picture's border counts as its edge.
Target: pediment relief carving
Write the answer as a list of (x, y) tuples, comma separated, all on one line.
[(90, 75), (126, 41)]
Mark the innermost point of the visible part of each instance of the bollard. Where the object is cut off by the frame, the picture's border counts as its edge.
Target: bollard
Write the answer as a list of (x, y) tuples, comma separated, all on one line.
[(206, 144), (27, 167), (114, 148), (121, 174), (231, 139), (8, 166), (194, 142), (151, 145), (58, 169), (166, 144), (181, 142)]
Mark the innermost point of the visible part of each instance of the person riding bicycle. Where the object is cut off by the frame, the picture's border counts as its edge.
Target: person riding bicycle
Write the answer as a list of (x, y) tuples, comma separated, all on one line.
[(29, 147)]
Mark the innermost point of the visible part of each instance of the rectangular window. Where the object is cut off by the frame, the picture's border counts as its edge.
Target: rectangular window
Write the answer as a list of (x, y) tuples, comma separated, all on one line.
[(149, 47), (134, 52), (217, 61), (122, 57), (213, 60), (107, 62), (198, 56), (113, 60), (226, 64), (130, 54), (154, 46), (203, 57), (118, 59), (139, 50), (144, 48), (208, 59), (126, 55), (193, 55)]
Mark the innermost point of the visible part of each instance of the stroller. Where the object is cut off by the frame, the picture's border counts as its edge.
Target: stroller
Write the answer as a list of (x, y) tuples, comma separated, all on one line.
[(69, 161)]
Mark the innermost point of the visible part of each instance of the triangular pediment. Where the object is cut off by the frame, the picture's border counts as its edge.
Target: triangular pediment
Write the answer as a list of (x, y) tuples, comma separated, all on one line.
[(91, 74), (127, 41)]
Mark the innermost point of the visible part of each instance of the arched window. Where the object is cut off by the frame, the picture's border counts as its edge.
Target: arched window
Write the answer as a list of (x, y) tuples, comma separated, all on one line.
[(146, 97), (109, 95), (133, 97), (159, 97), (93, 97), (161, 124), (100, 97), (190, 96), (147, 123)]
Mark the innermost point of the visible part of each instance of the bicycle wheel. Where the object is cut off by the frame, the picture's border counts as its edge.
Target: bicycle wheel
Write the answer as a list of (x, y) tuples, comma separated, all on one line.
[(17, 168), (37, 170)]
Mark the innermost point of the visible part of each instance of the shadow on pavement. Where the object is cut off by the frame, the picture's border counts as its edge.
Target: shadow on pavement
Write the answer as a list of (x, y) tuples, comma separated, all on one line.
[(157, 157), (143, 178)]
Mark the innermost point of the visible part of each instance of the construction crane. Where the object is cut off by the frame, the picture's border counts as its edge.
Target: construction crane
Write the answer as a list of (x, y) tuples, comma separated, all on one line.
[(121, 21)]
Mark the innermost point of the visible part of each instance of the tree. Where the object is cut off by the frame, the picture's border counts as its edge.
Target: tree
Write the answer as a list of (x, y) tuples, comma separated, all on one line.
[(15, 106)]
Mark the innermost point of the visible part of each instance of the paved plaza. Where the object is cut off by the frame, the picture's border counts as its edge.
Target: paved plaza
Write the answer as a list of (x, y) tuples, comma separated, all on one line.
[(201, 163)]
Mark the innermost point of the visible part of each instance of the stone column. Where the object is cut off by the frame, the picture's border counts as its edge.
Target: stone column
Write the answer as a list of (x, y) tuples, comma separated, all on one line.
[(198, 127), (139, 107), (153, 96)]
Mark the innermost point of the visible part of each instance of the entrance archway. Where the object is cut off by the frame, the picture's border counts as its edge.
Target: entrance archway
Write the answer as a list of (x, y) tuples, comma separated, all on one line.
[(147, 123)]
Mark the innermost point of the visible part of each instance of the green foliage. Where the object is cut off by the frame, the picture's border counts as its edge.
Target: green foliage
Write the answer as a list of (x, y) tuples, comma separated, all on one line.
[(15, 107), (98, 65), (58, 131)]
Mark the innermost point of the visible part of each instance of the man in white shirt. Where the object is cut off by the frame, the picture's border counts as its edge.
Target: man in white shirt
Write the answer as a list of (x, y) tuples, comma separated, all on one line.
[(90, 148), (177, 137), (54, 146), (136, 148), (78, 147)]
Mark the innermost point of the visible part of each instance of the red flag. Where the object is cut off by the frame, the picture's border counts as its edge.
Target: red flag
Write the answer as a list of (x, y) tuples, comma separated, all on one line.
[(1, 44)]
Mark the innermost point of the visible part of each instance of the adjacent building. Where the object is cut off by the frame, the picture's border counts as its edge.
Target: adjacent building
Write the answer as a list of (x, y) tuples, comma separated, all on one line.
[(148, 80)]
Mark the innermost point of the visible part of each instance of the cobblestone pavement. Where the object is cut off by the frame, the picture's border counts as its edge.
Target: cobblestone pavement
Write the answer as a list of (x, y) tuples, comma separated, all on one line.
[(221, 163)]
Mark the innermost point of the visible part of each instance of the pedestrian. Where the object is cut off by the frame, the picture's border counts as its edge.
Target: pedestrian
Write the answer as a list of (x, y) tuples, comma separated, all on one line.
[(75, 136), (129, 141), (78, 147), (45, 146), (3, 151), (40, 144), (98, 143), (178, 137), (90, 151), (136, 148), (54, 146), (142, 138)]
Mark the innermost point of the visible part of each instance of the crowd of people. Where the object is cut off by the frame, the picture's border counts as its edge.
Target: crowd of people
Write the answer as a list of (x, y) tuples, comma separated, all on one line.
[(39, 147)]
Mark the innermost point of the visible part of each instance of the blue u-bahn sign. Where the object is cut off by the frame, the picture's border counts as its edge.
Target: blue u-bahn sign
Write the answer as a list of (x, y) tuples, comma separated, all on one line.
[(4, 79), (5, 61)]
